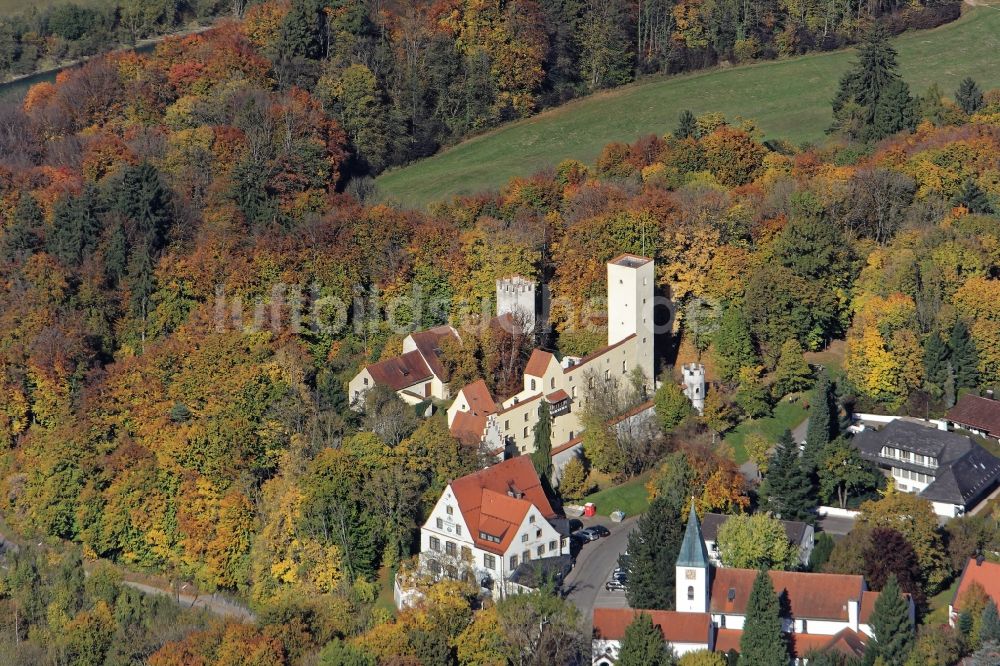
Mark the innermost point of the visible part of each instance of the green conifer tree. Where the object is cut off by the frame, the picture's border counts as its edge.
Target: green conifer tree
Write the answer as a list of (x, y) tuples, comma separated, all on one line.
[(733, 344), (989, 626), (895, 111), (542, 455), (20, 239), (792, 372), (653, 547), (822, 427), (936, 362), (643, 644), (964, 356), (891, 623), (687, 126), (762, 643), (973, 198), (787, 486), (969, 96)]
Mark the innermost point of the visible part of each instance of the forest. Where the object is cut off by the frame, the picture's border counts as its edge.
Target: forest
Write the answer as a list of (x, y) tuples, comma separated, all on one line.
[(166, 215)]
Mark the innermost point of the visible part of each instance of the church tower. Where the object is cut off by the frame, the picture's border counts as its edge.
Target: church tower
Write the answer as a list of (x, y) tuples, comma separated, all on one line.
[(631, 280), (692, 569)]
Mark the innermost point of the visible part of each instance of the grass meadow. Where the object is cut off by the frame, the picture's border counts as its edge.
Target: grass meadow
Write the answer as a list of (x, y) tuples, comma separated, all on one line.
[(789, 99)]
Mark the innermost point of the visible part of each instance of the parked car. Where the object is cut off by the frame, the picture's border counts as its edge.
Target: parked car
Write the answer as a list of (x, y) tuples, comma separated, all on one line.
[(601, 530), (589, 534), (616, 583)]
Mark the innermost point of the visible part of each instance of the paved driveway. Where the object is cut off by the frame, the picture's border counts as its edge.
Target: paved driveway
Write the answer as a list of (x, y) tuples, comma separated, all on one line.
[(584, 585)]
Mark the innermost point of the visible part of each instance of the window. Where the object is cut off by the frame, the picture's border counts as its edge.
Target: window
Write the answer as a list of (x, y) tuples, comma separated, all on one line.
[(524, 538), (434, 567), (450, 511), (538, 534), (552, 382), (531, 518), (624, 368), (690, 592), (553, 545), (607, 375), (525, 431), (440, 523), (489, 561), (458, 530), (449, 548), (513, 562), (435, 543), (590, 382), (573, 392), (366, 381), (526, 417), (506, 424), (526, 556), (532, 384), (541, 551)]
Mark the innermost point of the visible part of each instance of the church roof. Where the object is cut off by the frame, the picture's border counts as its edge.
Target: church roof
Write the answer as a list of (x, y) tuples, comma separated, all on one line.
[(693, 553)]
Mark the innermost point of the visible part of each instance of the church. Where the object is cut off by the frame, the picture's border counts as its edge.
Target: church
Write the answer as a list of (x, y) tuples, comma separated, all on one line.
[(821, 611)]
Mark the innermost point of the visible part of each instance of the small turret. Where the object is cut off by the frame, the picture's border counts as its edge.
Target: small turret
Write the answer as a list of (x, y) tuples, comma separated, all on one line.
[(518, 296), (694, 384)]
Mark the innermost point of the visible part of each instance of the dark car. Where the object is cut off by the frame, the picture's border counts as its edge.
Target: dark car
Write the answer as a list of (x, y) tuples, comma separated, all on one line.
[(601, 530)]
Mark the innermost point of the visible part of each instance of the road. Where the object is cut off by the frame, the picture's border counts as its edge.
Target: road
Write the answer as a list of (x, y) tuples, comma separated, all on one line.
[(585, 584), (219, 607)]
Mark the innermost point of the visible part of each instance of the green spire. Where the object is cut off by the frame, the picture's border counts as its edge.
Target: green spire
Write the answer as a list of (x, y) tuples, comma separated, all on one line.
[(693, 553)]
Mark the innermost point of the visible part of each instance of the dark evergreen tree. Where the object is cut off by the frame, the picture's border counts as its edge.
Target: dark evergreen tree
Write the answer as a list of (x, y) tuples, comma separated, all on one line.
[(687, 127), (542, 455), (734, 347), (787, 486), (895, 111), (964, 357), (973, 198), (653, 547), (20, 239), (301, 43), (891, 623), (75, 227), (873, 76), (643, 644), (762, 643), (820, 554), (822, 427), (116, 254), (936, 361), (145, 202), (969, 96), (989, 627)]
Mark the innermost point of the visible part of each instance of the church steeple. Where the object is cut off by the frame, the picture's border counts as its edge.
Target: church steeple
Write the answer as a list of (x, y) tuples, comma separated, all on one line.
[(693, 553), (692, 570)]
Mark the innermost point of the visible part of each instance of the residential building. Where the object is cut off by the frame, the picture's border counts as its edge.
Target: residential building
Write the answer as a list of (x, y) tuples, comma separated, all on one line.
[(801, 535), (566, 384), (980, 416), (415, 375), (948, 468), (485, 525), (977, 571), (685, 632)]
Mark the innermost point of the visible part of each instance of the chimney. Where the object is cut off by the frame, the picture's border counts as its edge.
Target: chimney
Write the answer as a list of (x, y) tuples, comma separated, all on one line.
[(979, 560)]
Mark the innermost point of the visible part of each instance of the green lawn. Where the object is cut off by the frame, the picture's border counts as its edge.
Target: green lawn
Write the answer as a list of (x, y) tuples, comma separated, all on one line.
[(786, 415), (14, 6), (789, 99), (937, 606), (629, 497)]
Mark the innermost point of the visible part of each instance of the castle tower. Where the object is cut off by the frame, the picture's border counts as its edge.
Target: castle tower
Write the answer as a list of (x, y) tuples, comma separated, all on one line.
[(694, 384), (692, 569), (517, 296), (631, 280)]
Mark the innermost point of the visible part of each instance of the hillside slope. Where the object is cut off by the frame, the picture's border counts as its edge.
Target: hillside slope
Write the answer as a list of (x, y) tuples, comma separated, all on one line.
[(788, 98)]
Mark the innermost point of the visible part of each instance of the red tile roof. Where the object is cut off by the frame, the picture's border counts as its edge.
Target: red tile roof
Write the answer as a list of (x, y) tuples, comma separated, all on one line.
[(976, 412), (557, 396), (485, 500), (428, 343), (727, 639), (567, 445), (986, 574), (847, 642), (399, 372), (610, 624), (469, 428), (538, 363), (818, 596), (479, 398)]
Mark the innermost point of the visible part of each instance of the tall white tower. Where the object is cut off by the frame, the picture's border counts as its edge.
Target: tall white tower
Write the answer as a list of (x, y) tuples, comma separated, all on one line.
[(692, 569), (694, 385), (516, 295), (631, 280)]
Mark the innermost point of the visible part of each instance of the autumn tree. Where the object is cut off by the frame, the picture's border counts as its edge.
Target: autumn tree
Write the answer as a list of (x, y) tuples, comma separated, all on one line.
[(672, 406), (756, 542), (843, 473), (888, 553)]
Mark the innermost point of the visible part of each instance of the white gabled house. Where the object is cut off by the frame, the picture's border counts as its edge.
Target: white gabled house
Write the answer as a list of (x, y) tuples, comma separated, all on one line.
[(487, 525), (415, 375)]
